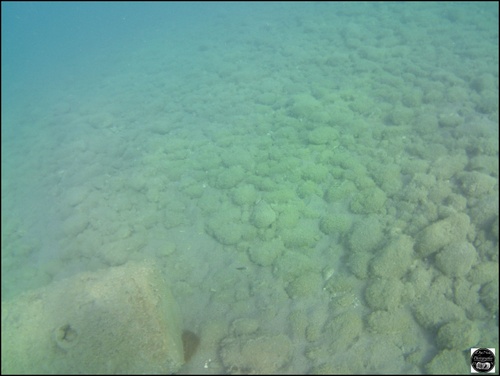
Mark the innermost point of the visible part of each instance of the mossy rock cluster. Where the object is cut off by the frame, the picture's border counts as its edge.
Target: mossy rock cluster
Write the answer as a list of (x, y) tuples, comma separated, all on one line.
[(362, 240), (451, 362), (489, 296), (291, 265), (435, 310), (456, 259), (288, 217), (264, 253), (263, 215), (305, 285), (256, 354), (400, 116), (225, 230), (304, 235), (315, 172), (389, 179), (335, 224), (322, 135), (477, 184), (308, 188), (229, 178), (344, 329), (365, 235), (244, 195), (442, 233), (391, 322), (369, 201), (384, 294), (394, 259), (459, 335), (339, 190), (304, 107)]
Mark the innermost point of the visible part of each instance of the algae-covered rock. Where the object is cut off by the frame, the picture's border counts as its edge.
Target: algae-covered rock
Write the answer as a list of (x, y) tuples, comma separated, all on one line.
[(121, 320), (230, 177), (288, 217), (244, 195), (339, 283), (420, 278), (322, 135), (389, 179), (394, 259), (194, 190), (450, 120), (225, 230), (435, 310), (210, 202), (292, 264), (448, 165), (400, 115), (315, 172), (263, 215), (484, 272), (451, 362), (456, 259), (304, 235), (305, 285), (384, 294), (298, 321), (339, 190), (282, 195), (366, 235), (476, 184), (266, 98), (466, 296), (317, 319), (441, 233), (335, 224), (391, 322), (344, 330), (459, 335), (256, 355), (264, 253), (368, 201), (308, 188), (244, 326), (489, 296), (358, 263), (304, 106)]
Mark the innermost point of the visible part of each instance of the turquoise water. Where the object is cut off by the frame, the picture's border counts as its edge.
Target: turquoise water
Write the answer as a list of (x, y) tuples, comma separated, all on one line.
[(317, 179)]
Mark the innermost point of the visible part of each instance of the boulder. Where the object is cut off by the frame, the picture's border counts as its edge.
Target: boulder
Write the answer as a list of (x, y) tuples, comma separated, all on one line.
[(118, 320)]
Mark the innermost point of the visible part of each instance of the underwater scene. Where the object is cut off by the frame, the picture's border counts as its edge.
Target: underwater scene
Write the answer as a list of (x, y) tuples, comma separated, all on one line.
[(316, 184)]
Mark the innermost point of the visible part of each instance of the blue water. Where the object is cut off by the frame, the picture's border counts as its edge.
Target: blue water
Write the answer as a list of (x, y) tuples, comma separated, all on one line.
[(271, 158)]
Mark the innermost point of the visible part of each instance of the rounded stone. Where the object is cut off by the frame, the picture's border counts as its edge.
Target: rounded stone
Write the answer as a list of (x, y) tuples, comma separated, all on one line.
[(456, 259), (384, 294), (263, 215), (459, 335)]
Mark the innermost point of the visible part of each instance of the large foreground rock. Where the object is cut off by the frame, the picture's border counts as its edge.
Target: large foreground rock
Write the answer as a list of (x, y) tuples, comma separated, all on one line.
[(118, 320)]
